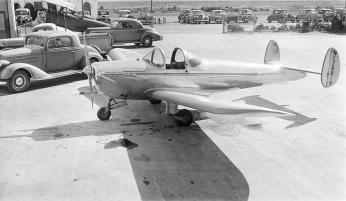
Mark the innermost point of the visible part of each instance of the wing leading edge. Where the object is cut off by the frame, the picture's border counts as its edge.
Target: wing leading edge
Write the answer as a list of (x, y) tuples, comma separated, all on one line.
[(212, 105)]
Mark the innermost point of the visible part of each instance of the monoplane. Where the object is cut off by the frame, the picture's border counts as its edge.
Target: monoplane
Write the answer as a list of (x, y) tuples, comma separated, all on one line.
[(189, 81)]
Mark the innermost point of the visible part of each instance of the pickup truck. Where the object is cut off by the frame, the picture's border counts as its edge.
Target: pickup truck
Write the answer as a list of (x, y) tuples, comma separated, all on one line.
[(102, 42), (46, 55), (127, 30)]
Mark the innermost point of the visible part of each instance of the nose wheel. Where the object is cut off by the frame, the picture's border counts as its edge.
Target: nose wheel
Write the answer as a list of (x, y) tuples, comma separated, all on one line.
[(104, 113)]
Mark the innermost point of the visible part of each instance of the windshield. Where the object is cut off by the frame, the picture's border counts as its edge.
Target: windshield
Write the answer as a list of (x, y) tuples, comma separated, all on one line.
[(22, 12), (217, 11), (280, 11), (197, 12), (305, 11), (35, 40), (103, 13), (185, 11)]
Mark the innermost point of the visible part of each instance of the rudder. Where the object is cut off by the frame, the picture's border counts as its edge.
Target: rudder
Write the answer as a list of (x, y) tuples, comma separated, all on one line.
[(272, 54), (330, 68)]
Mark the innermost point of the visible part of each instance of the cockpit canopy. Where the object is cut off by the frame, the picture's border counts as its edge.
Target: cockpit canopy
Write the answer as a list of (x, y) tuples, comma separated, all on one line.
[(180, 59)]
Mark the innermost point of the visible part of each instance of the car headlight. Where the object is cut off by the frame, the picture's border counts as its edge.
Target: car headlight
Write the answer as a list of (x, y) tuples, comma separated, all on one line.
[(4, 63)]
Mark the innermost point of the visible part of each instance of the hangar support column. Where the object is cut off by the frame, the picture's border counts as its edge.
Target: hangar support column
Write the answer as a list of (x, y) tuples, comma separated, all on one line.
[(8, 26)]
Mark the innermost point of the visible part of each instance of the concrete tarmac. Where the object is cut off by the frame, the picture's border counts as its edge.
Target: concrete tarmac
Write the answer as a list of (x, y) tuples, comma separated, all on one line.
[(53, 147)]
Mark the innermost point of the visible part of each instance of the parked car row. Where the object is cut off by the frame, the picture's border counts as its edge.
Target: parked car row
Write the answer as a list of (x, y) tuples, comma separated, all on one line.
[(215, 16), (48, 53), (310, 15)]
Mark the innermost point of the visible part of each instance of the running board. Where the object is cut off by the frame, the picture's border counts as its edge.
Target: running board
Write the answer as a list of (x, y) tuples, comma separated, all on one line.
[(61, 74)]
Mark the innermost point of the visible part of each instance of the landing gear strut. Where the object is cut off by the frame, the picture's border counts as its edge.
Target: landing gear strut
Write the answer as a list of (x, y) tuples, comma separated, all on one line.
[(104, 113)]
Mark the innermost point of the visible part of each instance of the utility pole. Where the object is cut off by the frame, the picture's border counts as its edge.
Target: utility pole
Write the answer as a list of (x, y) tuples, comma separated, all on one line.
[(151, 6), (83, 9)]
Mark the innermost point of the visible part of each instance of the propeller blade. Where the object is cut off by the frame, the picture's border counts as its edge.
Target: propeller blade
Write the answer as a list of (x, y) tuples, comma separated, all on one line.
[(87, 62)]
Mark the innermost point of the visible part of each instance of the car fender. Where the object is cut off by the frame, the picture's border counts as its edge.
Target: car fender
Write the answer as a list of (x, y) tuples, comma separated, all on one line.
[(95, 55), (34, 72), (153, 34)]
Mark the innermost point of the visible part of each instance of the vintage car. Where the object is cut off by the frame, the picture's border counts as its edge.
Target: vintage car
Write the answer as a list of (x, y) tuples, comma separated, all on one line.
[(125, 14), (126, 30), (145, 18), (10, 43), (23, 15), (197, 16), (217, 16), (183, 15), (309, 15), (103, 16), (325, 14), (46, 55), (244, 15), (280, 15)]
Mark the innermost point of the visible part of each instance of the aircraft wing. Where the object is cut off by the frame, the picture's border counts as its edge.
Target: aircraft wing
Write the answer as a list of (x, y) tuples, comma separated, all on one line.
[(123, 54), (209, 104)]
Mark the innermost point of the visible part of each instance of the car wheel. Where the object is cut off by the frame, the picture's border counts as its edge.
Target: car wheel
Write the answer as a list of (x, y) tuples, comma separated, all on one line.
[(147, 41), (19, 82), (103, 115)]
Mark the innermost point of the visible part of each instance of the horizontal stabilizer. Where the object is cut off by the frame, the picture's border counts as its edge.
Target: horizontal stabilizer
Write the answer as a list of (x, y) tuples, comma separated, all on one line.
[(207, 104), (331, 68), (123, 54)]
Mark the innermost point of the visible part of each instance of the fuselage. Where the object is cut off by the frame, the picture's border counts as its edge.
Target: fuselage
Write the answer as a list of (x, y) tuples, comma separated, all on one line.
[(131, 80)]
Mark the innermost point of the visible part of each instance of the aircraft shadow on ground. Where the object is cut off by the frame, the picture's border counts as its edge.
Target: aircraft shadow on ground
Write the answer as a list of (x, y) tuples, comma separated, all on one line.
[(297, 119), (168, 162), (36, 85)]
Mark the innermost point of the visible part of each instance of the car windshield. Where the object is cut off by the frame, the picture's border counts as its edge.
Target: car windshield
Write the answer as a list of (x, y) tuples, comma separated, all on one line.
[(185, 11), (305, 11), (245, 11), (197, 12), (35, 40), (217, 11), (22, 12), (279, 11), (103, 12)]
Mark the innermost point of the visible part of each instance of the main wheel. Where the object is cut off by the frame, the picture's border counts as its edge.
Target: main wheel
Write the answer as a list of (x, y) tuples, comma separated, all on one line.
[(147, 41), (155, 102), (184, 117), (103, 115), (19, 82)]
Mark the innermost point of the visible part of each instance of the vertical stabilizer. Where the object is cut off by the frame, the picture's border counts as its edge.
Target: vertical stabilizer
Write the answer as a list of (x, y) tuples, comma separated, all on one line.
[(272, 55)]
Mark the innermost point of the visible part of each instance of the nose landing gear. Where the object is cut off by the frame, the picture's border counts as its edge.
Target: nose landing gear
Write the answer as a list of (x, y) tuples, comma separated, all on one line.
[(104, 113)]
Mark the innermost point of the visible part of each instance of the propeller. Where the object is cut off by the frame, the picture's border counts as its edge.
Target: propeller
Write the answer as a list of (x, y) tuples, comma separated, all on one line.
[(90, 74)]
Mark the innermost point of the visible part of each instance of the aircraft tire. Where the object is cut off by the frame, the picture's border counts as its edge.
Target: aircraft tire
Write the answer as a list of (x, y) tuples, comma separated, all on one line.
[(19, 82), (184, 117), (103, 115), (155, 102)]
